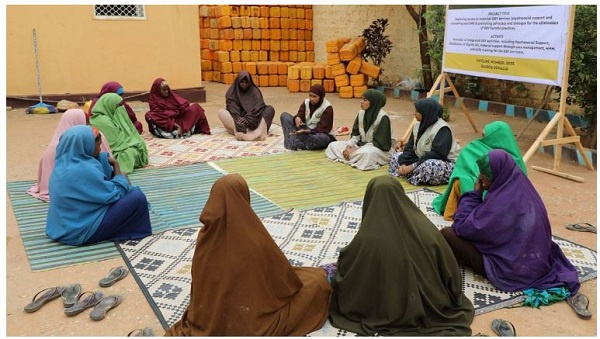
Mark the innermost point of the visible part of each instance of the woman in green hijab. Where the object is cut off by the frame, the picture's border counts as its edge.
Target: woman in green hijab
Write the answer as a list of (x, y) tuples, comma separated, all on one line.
[(371, 141), (398, 276), (128, 147), (496, 135)]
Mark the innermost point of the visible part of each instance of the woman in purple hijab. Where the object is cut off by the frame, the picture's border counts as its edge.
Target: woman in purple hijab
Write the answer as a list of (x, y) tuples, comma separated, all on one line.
[(115, 87), (506, 236)]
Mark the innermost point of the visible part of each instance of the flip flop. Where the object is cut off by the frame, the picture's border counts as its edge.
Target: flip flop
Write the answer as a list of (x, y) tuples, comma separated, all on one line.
[(146, 332), (70, 294), (580, 303), (105, 305), (91, 299), (115, 274), (503, 328), (47, 295), (582, 227)]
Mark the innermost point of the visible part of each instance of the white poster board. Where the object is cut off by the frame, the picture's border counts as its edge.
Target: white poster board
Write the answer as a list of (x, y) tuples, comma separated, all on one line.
[(519, 43)]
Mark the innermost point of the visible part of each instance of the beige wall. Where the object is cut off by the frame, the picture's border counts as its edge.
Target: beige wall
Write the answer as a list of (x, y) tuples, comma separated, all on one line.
[(337, 21), (78, 53)]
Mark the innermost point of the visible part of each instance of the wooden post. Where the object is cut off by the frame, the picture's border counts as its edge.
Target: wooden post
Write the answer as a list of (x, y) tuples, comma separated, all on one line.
[(560, 119)]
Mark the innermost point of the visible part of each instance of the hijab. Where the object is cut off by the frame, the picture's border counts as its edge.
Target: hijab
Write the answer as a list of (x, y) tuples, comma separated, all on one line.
[(69, 118), (81, 191), (242, 283), (377, 101), (431, 111), (496, 135), (320, 91), (511, 229), (158, 103), (248, 104), (398, 276)]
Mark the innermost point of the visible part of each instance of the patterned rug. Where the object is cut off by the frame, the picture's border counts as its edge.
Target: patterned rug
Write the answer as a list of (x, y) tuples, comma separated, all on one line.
[(306, 179), (161, 264), (176, 195), (203, 148)]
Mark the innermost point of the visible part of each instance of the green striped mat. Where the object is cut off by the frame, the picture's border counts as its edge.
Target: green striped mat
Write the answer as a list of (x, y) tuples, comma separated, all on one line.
[(176, 196), (306, 179)]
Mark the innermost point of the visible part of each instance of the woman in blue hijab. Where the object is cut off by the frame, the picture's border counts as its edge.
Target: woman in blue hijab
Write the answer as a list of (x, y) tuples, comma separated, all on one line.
[(93, 200)]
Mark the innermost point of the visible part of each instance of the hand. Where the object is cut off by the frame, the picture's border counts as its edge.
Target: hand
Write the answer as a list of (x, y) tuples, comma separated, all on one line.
[(112, 161), (479, 185), (301, 131), (241, 121), (405, 169), (298, 121), (399, 146)]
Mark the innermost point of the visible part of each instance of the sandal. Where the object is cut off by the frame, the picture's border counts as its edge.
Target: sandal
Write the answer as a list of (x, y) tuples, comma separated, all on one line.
[(105, 305), (146, 332), (582, 227), (503, 328), (70, 294), (91, 299), (580, 303), (47, 295), (115, 274)]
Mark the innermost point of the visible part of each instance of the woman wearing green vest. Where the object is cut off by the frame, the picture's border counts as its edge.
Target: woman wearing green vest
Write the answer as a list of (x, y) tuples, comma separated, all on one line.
[(428, 156), (370, 142), (496, 135)]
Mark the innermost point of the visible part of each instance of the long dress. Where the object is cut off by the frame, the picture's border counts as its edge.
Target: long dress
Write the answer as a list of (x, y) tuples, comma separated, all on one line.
[(86, 200), (371, 134), (242, 284), (246, 115), (398, 276), (115, 87), (511, 230), (165, 112), (128, 147), (497, 135), (70, 118)]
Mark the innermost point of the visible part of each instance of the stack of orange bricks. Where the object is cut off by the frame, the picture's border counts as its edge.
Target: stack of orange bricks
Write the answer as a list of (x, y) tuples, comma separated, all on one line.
[(344, 72), (263, 40)]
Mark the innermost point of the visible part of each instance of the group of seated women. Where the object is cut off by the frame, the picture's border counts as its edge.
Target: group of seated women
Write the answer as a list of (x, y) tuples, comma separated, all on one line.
[(399, 275)]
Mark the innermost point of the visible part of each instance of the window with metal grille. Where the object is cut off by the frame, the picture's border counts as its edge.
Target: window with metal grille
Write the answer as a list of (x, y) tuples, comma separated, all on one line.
[(108, 12)]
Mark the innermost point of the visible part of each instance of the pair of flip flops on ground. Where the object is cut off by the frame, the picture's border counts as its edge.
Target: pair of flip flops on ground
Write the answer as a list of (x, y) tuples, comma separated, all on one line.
[(582, 227), (76, 302)]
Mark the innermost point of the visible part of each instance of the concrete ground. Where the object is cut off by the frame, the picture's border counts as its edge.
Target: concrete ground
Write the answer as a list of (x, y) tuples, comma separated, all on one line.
[(27, 136)]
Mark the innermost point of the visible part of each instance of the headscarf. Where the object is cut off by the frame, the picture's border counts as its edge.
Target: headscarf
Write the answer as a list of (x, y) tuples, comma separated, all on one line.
[(431, 110), (158, 103), (80, 190), (115, 87), (398, 276), (377, 101), (511, 229), (126, 143), (69, 118), (242, 284), (320, 91), (247, 104), (497, 135)]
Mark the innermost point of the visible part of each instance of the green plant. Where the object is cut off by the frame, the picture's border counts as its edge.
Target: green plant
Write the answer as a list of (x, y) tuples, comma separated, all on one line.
[(583, 69), (435, 23), (377, 44), (446, 113)]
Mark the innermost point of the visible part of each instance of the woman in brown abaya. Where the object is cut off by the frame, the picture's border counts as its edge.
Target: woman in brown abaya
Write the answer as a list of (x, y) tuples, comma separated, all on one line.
[(246, 115), (242, 284)]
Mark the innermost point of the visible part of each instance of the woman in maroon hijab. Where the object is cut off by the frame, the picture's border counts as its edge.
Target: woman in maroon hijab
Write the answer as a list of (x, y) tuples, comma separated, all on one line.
[(246, 115), (171, 116), (115, 87)]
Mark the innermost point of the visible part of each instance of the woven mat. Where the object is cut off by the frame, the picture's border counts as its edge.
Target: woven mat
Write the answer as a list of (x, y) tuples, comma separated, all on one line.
[(161, 264), (306, 179), (176, 195), (203, 148)]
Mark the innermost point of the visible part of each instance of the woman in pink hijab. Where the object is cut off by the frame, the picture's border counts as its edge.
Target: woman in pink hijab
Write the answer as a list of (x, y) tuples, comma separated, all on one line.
[(171, 116), (115, 87), (69, 119)]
